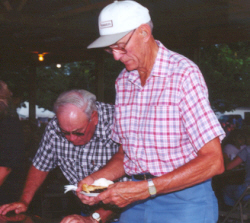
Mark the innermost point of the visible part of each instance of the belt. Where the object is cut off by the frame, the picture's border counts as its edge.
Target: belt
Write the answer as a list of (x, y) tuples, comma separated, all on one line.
[(143, 176)]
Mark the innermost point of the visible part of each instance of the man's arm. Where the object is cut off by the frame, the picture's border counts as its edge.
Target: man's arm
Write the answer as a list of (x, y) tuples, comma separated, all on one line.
[(34, 179), (113, 170), (207, 164), (4, 172), (104, 214), (234, 163)]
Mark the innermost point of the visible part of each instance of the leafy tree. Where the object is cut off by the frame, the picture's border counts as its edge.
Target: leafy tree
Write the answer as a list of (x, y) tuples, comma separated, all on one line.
[(111, 72), (226, 70), (17, 81), (224, 66), (51, 81)]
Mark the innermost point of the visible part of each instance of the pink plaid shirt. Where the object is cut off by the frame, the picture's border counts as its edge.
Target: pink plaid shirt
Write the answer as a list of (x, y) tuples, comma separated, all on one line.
[(163, 124)]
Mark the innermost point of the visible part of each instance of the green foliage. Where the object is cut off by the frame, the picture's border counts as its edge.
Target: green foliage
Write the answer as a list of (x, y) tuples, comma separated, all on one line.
[(224, 66), (111, 72), (17, 82), (226, 71), (52, 81)]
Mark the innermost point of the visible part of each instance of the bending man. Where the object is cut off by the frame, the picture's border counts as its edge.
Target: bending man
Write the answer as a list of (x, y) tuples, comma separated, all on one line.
[(77, 140)]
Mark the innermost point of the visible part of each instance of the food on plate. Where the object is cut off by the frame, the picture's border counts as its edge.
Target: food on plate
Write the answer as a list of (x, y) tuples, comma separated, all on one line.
[(98, 186)]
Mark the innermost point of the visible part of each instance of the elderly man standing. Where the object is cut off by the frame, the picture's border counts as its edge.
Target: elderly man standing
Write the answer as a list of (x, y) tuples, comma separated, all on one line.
[(77, 140), (169, 135)]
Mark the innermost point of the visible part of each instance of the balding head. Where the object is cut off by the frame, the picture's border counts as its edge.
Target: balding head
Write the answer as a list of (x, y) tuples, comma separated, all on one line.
[(82, 99)]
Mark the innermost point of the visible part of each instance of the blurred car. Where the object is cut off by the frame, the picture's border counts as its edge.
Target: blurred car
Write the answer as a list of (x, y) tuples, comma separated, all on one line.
[(232, 120)]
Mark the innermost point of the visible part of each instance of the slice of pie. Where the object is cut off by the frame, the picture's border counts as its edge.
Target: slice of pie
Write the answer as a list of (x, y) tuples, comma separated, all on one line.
[(97, 187)]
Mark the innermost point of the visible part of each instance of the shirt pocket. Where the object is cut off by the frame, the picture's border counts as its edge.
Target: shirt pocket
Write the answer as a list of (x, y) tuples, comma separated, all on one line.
[(68, 166), (161, 126), (99, 154), (126, 120)]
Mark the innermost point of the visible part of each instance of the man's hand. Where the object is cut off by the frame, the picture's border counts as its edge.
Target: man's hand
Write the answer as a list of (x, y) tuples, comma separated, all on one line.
[(19, 218), (77, 219), (4, 172), (124, 193), (87, 180), (85, 199), (34, 179), (18, 207)]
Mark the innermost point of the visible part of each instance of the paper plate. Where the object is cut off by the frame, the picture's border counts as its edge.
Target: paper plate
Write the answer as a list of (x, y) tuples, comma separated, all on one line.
[(89, 194)]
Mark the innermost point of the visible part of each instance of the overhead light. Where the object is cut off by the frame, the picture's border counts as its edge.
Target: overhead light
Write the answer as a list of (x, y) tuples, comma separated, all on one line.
[(40, 57), (58, 65)]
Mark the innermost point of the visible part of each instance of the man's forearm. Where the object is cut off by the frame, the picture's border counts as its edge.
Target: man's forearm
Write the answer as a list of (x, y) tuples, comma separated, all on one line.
[(4, 172), (207, 164), (105, 214), (34, 179)]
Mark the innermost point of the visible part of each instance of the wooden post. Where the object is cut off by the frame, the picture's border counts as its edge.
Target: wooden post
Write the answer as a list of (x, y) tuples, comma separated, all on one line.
[(99, 62), (32, 93), (194, 48)]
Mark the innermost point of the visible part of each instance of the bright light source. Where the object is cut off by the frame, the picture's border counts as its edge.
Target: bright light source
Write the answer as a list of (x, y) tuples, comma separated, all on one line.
[(58, 65), (40, 57)]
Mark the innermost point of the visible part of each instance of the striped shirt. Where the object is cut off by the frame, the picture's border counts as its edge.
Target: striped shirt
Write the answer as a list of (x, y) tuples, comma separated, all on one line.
[(77, 162), (163, 124)]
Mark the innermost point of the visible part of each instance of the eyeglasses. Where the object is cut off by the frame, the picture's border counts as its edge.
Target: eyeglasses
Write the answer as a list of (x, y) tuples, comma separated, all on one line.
[(119, 47), (78, 134)]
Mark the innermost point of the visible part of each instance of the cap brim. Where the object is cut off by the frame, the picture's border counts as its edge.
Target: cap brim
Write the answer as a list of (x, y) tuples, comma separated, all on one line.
[(107, 40)]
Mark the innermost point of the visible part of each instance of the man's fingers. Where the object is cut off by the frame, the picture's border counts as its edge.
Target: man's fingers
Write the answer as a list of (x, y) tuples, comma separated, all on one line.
[(17, 207), (7, 208), (2, 208), (74, 219), (88, 180), (87, 200), (20, 210)]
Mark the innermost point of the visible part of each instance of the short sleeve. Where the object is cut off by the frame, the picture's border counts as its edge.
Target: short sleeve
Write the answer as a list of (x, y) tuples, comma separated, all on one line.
[(243, 154), (198, 118), (45, 159)]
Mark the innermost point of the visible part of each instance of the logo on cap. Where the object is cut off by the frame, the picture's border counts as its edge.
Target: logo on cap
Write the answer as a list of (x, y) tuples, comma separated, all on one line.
[(106, 24)]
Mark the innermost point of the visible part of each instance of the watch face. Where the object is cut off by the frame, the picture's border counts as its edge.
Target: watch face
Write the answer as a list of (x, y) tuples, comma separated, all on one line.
[(95, 215), (152, 190)]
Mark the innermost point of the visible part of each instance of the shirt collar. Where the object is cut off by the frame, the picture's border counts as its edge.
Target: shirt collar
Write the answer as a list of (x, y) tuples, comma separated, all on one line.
[(157, 69)]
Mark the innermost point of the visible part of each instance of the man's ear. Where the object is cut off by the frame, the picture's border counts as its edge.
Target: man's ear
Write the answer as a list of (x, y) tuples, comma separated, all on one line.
[(145, 32), (94, 117)]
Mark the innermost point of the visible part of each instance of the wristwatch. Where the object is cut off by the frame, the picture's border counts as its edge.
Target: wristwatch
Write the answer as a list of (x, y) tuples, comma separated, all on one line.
[(96, 216), (151, 188)]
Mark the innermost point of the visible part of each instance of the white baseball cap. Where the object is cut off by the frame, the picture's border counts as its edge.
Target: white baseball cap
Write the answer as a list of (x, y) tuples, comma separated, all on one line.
[(118, 19)]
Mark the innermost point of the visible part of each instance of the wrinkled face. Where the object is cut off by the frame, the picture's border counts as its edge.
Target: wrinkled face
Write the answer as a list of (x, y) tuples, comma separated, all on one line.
[(132, 58), (75, 125)]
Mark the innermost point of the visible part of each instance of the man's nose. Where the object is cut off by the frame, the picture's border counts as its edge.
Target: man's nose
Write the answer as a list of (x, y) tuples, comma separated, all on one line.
[(117, 55), (71, 137)]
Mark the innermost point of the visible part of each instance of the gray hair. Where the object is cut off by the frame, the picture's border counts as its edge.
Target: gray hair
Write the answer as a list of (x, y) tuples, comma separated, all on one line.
[(80, 98)]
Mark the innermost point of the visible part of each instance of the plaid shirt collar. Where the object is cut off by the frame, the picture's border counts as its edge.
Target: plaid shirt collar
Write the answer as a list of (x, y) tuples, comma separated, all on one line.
[(163, 53)]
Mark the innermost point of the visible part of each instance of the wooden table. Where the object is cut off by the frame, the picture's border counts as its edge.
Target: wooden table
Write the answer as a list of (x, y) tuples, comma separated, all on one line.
[(26, 218)]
